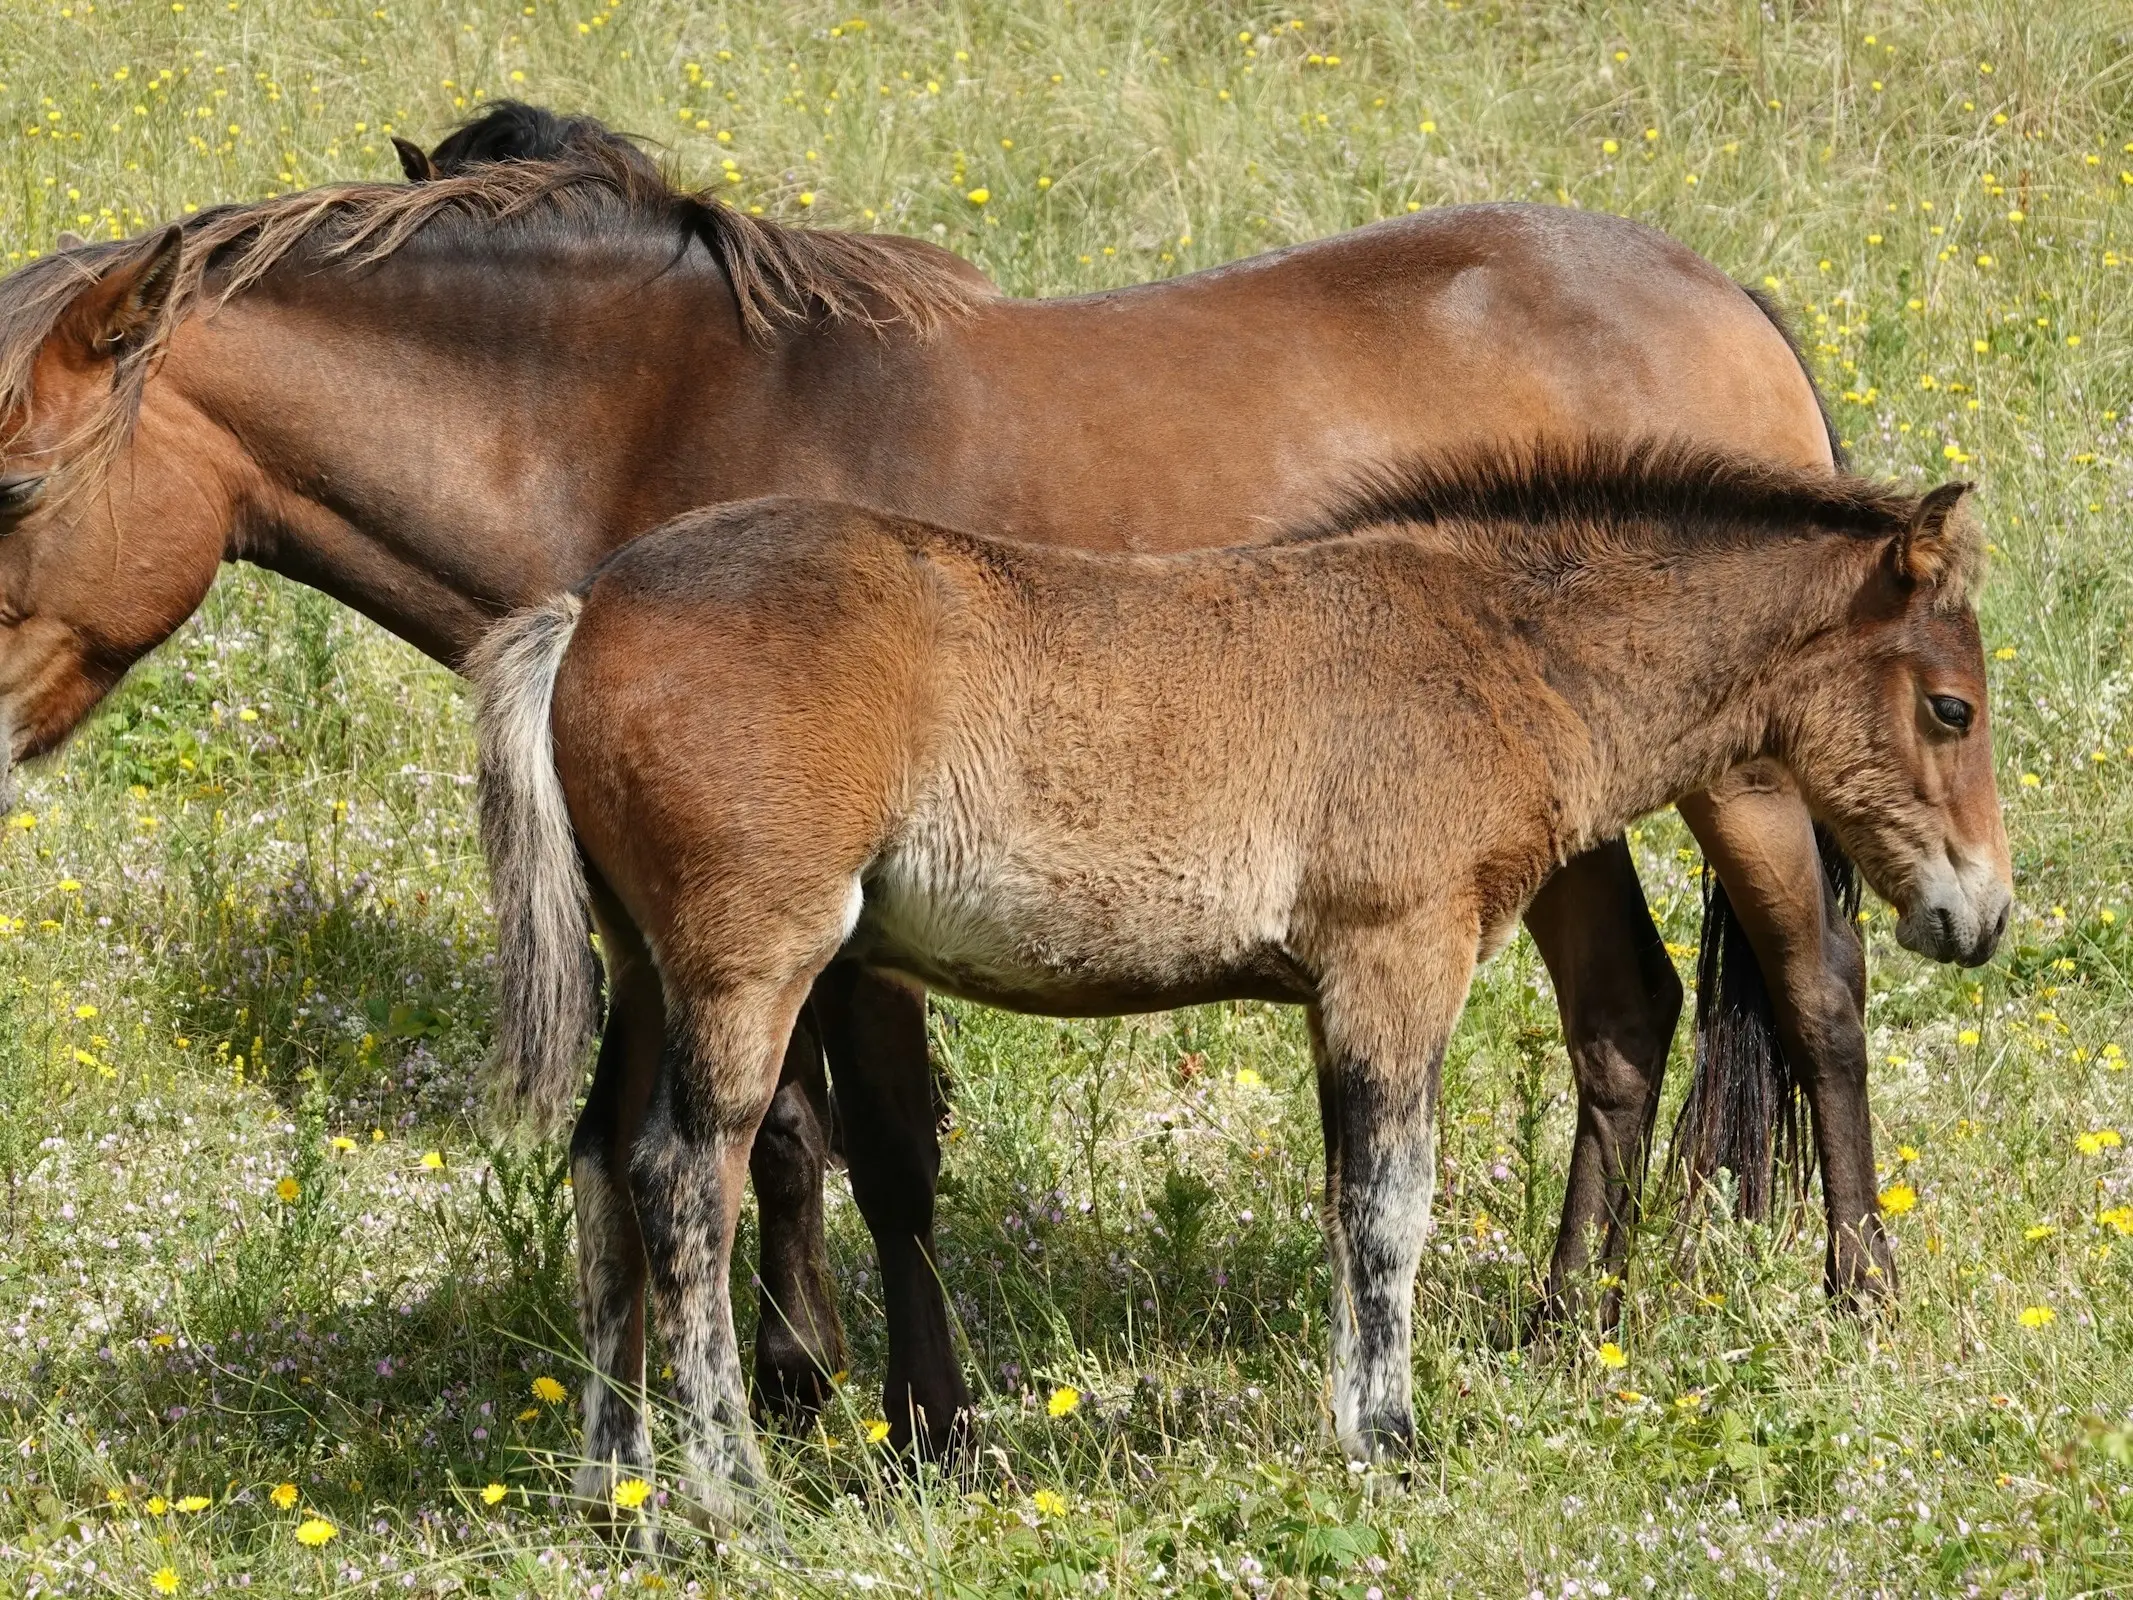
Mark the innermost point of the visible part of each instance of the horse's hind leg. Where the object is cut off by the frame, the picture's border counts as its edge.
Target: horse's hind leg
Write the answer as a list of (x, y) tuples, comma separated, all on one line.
[(874, 1030), (611, 1264), (1760, 840), (1387, 1003), (799, 1340), (1620, 999)]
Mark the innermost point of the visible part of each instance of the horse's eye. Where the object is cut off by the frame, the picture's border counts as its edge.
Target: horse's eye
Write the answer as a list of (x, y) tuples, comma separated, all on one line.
[(18, 494), (1951, 712)]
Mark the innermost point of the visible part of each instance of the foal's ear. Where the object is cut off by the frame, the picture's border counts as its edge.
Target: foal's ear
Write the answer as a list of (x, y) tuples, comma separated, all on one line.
[(112, 314), (1942, 539), (414, 160)]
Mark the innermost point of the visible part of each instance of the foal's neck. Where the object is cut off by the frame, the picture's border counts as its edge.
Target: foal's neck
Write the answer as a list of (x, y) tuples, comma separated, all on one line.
[(1683, 665)]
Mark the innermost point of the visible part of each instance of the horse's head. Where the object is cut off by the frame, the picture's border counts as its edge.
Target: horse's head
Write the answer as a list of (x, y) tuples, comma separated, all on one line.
[(112, 518), (1893, 742)]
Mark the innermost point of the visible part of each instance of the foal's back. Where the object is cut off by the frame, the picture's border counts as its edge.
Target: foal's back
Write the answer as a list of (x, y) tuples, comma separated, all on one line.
[(1036, 777)]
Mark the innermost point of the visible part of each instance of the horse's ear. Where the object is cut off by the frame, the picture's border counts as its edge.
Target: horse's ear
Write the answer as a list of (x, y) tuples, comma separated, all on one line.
[(113, 313), (1942, 538), (414, 160), (68, 240)]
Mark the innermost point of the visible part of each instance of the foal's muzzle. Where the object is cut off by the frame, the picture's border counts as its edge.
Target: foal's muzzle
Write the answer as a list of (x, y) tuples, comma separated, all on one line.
[(1958, 915)]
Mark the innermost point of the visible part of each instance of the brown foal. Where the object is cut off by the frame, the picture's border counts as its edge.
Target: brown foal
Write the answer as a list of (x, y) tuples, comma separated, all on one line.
[(443, 401), (1331, 772)]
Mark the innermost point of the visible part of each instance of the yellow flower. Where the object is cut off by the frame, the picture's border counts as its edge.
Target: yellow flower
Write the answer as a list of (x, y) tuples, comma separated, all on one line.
[(978, 197), (315, 1531), (494, 1493), (2037, 1317), (1609, 147), (433, 1159), (1613, 1357), (547, 1389), (2091, 1144), (85, 1012), (1064, 1399), (1898, 1198), (164, 1580), (288, 1189), (70, 886), (1906, 1152), (193, 1502), (283, 1495), (1048, 1504), (807, 197), (1248, 1079), (877, 1430), (631, 1493), (2039, 1230), (2030, 780), (2118, 1217), (157, 1505), (1629, 1397), (343, 1143), (1967, 1036)]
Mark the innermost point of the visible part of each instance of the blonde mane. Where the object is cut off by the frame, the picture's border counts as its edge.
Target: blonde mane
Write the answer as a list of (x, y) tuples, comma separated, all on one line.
[(779, 275)]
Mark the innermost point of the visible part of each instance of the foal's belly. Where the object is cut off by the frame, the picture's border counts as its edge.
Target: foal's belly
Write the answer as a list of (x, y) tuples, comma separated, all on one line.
[(1059, 935)]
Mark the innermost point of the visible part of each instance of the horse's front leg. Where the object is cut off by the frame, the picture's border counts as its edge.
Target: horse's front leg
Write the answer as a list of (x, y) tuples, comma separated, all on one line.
[(799, 1338), (1387, 1002), (1758, 837), (1620, 999), (874, 1032)]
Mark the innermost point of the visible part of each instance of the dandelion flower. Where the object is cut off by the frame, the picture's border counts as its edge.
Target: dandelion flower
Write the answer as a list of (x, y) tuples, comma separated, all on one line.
[(1248, 1079), (1064, 1399), (1967, 1036), (2102, 1139), (493, 1494), (316, 1531), (288, 1189), (157, 1505), (1048, 1504), (2037, 1317), (1613, 1357), (978, 197), (1898, 1198), (283, 1495), (433, 1159), (631, 1493), (164, 1580), (2039, 1230), (193, 1502), (2118, 1217), (342, 1143), (1907, 1152), (877, 1430), (547, 1389)]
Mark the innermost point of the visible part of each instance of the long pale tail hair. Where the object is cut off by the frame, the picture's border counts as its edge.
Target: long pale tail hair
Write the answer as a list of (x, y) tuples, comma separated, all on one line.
[(548, 977)]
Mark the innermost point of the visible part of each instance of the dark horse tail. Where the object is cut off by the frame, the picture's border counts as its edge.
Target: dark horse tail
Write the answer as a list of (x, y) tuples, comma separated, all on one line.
[(1744, 1108)]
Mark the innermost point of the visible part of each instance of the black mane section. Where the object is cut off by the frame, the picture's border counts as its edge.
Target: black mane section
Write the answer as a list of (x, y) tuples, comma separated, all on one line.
[(512, 130)]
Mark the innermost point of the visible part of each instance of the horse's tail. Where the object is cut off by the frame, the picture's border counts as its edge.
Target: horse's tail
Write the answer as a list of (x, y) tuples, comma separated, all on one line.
[(548, 975), (1744, 1109)]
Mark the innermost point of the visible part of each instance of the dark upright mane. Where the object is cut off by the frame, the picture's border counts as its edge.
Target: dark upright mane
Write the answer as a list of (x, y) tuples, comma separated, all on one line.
[(1616, 491)]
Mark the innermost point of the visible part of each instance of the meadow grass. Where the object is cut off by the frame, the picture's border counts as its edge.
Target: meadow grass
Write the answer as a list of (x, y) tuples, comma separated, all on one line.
[(262, 1277)]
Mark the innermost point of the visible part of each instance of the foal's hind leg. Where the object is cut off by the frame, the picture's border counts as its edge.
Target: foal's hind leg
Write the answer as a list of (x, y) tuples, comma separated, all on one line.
[(1387, 1002), (874, 1029), (1620, 999), (725, 1042), (611, 1265), (799, 1340)]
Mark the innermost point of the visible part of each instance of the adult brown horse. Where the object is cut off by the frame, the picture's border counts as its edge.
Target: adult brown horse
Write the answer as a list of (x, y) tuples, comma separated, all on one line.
[(438, 402), (1331, 772)]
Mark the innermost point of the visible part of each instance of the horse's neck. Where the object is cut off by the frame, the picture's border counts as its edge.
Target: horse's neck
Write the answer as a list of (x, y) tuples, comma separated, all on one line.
[(1683, 672), (434, 486)]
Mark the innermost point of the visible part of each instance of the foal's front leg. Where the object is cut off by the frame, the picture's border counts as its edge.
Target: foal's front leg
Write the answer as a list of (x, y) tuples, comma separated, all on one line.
[(1386, 1006)]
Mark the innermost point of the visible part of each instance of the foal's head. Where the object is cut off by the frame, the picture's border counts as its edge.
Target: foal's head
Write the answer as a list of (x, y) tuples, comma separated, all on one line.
[(1892, 739)]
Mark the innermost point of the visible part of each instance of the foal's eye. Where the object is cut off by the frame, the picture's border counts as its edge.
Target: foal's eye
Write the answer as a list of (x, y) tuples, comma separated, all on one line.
[(1951, 712), (18, 494)]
